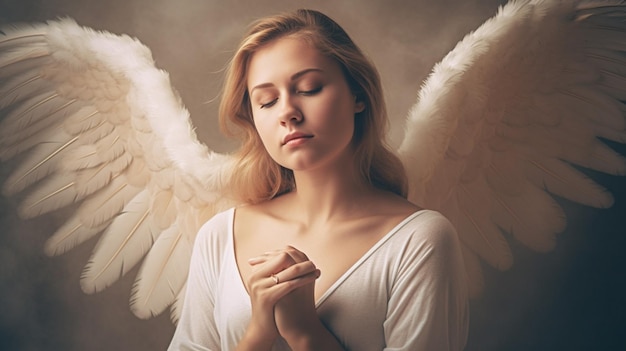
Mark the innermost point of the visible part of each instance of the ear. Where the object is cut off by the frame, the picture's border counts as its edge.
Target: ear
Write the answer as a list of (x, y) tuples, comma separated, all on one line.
[(359, 106)]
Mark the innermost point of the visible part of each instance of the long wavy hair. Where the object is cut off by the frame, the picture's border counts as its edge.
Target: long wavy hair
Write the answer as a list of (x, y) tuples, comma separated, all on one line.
[(258, 177)]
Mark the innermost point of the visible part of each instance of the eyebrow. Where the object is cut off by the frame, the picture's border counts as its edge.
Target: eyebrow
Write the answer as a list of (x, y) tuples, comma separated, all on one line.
[(293, 77)]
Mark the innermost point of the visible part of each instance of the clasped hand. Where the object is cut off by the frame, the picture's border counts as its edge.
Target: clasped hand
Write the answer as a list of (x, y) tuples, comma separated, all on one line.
[(282, 293)]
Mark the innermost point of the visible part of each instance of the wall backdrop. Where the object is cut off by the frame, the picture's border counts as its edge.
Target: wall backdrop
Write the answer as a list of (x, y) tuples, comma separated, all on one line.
[(570, 299)]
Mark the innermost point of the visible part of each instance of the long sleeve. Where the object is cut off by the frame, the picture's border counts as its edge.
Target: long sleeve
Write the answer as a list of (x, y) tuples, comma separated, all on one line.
[(196, 329), (428, 307)]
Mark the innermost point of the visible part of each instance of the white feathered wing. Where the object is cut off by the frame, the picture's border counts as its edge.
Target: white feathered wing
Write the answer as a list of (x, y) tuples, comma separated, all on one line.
[(94, 122), (504, 120)]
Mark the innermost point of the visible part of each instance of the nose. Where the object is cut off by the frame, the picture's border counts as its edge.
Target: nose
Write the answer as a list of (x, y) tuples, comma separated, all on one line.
[(289, 112)]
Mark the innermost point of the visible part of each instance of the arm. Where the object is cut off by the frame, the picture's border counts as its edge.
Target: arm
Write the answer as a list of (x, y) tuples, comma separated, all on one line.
[(428, 307), (196, 329)]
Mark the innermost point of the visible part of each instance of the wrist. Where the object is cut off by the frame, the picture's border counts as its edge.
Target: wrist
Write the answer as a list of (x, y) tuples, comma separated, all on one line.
[(314, 337), (301, 343), (256, 339)]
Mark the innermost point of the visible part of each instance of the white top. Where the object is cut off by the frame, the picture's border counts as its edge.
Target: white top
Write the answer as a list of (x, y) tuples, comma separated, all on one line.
[(408, 292)]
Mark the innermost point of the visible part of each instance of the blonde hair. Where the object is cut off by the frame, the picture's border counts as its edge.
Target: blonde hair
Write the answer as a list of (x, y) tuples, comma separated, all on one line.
[(258, 177)]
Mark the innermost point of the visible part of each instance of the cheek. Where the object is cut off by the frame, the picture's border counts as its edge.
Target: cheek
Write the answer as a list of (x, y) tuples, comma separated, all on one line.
[(264, 133), (258, 126), (341, 115)]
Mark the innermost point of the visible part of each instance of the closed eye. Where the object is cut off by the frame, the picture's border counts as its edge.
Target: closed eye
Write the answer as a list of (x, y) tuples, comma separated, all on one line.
[(268, 104), (310, 92)]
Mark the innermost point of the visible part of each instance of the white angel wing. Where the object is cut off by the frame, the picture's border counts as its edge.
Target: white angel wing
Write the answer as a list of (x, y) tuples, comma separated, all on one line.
[(93, 122), (505, 120)]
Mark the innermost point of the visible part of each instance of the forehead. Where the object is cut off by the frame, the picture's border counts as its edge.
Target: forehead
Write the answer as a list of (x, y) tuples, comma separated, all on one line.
[(284, 57)]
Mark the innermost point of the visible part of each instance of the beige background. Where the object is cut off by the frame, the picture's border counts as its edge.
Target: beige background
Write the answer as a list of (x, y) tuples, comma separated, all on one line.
[(569, 299)]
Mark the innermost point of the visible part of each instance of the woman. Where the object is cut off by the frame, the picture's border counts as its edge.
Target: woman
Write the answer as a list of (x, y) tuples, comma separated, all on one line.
[(327, 253)]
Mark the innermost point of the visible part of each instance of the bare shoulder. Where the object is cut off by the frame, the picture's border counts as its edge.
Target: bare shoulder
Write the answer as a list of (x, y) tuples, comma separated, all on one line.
[(270, 215), (263, 210), (249, 216), (431, 227), (392, 205)]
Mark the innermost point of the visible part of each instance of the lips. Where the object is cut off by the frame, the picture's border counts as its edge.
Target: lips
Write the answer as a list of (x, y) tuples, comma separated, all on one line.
[(292, 137)]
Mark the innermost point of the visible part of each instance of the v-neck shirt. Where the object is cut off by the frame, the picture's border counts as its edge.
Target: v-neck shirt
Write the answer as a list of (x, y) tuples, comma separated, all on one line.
[(407, 292)]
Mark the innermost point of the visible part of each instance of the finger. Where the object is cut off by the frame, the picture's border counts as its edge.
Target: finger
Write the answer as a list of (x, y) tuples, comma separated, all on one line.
[(274, 264), (265, 276), (282, 288), (295, 271), (257, 260), (271, 266), (273, 289), (267, 255), (297, 255)]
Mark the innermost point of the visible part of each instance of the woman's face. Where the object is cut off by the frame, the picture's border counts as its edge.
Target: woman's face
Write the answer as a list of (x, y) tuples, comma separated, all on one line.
[(302, 106)]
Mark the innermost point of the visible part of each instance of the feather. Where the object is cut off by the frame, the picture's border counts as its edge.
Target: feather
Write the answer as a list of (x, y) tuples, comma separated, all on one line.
[(588, 10), (504, 173), (91, 180), (39, 163), (615, 83), (479, 233), (162, 274), (27, 52), (606, 160), (81, 157), (182, 190), (115, 255), (153, 152), (9, 71), (71, 234), (503, 120), (24, 84), (532, 218), (165, 178), (102, 130), (561, 179), (111, 147), (54, 193), (607, 60), (20, 34), (618, 136), (604, 38), (586, 104), (107, 203), (163, 208), (177, 306), (12, 136), (21, 140), (94, 155), (137, 173), (85, 119), (34, 110)]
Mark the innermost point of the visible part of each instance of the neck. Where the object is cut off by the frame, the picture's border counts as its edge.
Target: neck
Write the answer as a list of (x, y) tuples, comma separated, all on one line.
[(322, 196)]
